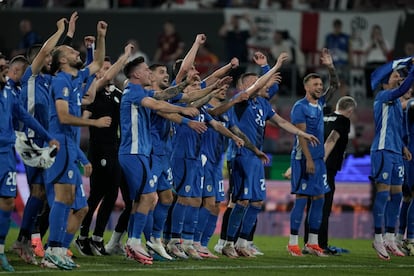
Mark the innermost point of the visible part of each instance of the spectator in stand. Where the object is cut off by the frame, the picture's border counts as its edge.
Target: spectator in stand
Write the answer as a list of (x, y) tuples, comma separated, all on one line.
[(339, 46), (170, 46), (377, 51), (29, 38), (236, 40), (206, 62)]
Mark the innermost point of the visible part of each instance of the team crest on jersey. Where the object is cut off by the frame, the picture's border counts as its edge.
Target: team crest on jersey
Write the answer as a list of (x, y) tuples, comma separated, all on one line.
[(187, 188), (152, 183), (304, 186), (209, 188), (103, 162), (65, 92), (385, 175), (70, 174), (246, 191)]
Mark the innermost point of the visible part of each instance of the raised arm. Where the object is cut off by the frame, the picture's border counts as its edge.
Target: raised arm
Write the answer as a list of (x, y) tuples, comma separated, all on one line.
[(98, 59), (189, 58), (326, 60), (222, 71), (47, 47), (115, 68)]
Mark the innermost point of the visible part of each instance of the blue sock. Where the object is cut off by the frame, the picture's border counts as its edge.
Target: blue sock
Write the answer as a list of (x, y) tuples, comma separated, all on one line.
[(33, 207), (410, 221), (249, 220), (203, 215), (403, 217), (58, 218), (296, 215), (65, 225), (148, 225), (235, 219), (392, 212), (139, 223), (130, 225), (177, 219), (67, 240), (315, 215), (160, 217), (4, 224), (378, 210), (209, 229), (190, 223)]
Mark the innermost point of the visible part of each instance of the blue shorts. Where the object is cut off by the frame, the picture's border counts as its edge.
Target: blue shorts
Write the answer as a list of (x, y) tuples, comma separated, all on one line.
[(34, 175), (248, 179), (213, 181), (136, 169), (8, 184), (186, 175), (65, 167), (162, 172), (387, 167), (303, 183)]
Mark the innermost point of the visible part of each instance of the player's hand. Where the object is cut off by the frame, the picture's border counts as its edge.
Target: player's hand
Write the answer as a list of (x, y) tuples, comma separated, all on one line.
[(102, 28), (88, 41), (282, 58), (54, 143), (240, 97), (259, 58), (312, 139), (310, 166), (103, 122), (288, 173), (128, 49), (199, 127), (238, 141), (407, 154), (263, 157), (326, 57), (87, 170), (234, 63), (61, 24), (190, 111), (201, 39), (224, 81), (72, 23)]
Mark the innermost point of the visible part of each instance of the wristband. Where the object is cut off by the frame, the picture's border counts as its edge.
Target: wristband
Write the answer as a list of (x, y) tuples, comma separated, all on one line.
[(185, 121)]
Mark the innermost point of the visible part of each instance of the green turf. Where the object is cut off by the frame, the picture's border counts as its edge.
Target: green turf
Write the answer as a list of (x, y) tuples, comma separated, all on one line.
[(361, 261)]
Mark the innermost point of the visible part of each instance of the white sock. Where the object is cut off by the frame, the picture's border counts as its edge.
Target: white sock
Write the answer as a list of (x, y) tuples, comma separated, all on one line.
[(97, 238), (293, 239), (36, 236), (389, 237), (313, 238), (221, 242), (241, 242), (135, 242), (378, 238)]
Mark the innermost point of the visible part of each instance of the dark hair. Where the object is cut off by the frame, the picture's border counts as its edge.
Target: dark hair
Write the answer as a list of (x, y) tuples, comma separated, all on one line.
[(54, 67), (337, 22), (108, 58), (130, 66), (311, 76), (154, 66), (32, 52)]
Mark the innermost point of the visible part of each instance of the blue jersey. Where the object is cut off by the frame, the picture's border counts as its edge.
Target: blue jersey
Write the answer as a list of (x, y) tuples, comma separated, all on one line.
[(410, 125), (214, 143), (312, 115), (187, 142), (35, 97), (388, 115), (10, 111), (71, 89), (135, 122), (250, 116)]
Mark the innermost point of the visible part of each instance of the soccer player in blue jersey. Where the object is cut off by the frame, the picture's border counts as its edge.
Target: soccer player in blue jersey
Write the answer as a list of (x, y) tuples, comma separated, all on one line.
[(249, 189), (135, 149), (35, 98), (407, 208), (11, 112), (308, 167), (388, 145), (67, 93)]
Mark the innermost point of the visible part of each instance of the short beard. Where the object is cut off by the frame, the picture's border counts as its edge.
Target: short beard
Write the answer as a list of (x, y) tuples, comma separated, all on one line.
[(44, 70), (78, 65)]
